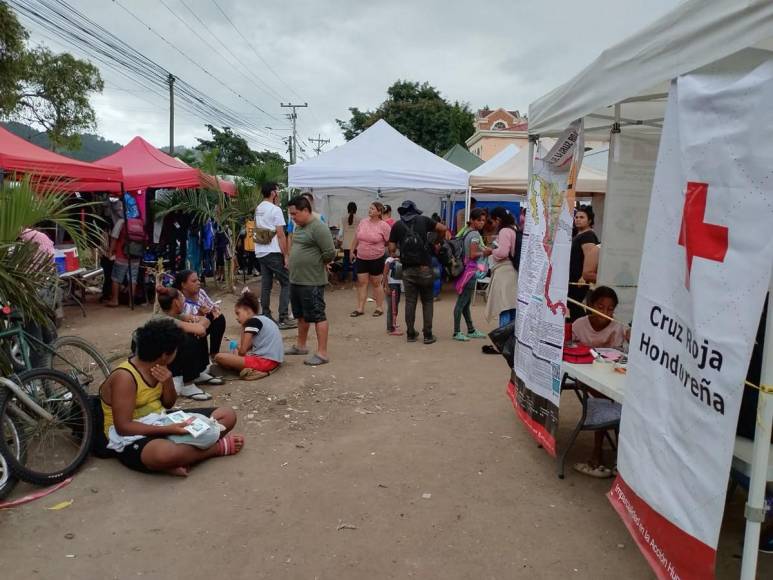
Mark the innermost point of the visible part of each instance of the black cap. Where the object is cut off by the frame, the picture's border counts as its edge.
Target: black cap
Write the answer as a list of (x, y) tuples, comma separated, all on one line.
[(408, 207)]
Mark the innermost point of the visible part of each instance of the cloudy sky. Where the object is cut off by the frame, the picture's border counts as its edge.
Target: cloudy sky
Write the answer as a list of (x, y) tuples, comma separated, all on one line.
[(335, 54)]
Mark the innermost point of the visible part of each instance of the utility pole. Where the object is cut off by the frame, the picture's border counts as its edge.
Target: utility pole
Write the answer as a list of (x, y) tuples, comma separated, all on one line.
[(170, 79), (293, 117), (291, 149), (320, 142)]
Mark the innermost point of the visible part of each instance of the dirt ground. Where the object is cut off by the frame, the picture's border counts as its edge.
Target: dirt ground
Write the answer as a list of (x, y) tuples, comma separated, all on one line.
[(396, 460)]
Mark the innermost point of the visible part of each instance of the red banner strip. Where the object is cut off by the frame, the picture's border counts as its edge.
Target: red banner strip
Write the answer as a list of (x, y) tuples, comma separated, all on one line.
[(671, 552)]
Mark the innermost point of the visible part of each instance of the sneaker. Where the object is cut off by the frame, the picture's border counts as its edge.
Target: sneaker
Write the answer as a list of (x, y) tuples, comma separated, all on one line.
[(431, 339), (461, 337), (412, 337), (476, 334), (287, 324)]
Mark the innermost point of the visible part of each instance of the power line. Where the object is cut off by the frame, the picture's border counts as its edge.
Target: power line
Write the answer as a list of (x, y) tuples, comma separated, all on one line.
[(254, 78), (77, 30), (189, 59), (252, 48)]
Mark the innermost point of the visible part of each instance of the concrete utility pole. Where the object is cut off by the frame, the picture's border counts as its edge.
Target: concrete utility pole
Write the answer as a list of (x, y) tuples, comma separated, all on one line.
[(170, 79), (320, 142), (293, 117), (291, 149)]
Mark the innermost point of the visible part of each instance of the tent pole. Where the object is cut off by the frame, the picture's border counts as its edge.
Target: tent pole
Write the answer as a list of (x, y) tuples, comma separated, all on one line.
[(755, 503), (467, 199)]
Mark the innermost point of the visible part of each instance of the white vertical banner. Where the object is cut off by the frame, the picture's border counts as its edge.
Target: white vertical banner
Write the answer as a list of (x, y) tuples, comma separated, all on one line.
[(543, 280), (632, 156), (704, 275)]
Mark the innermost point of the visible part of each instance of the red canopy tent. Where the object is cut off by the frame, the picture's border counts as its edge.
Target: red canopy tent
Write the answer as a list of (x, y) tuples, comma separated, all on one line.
[(144, 167), (19, 156)]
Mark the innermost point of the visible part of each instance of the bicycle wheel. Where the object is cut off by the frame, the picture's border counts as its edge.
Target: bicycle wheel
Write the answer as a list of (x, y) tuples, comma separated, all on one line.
[(11, 434), (52, 448), (80, 360)]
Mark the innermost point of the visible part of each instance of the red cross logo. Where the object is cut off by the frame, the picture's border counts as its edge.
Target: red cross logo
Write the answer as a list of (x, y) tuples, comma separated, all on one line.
[(700, 240)]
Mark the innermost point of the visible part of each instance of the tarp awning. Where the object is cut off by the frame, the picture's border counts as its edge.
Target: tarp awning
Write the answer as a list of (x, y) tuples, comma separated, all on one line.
[(19, 156), (512, 176), (636, 71), (461, 157), (379, 158), (144, 167)]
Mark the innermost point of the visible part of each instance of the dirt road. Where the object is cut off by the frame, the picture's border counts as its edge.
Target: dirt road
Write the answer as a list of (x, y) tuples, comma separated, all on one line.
[(395, 460)]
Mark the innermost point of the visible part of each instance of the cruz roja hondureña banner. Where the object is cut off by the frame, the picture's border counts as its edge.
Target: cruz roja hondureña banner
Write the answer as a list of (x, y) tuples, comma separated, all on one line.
[(705, 272), (542, 287)]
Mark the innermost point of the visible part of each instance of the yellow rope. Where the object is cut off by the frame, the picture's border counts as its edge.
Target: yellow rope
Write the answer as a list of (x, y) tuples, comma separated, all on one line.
[(768, 389)]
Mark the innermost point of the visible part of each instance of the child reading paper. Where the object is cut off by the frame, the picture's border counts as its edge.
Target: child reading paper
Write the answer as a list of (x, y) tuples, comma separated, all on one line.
[(260, 348)]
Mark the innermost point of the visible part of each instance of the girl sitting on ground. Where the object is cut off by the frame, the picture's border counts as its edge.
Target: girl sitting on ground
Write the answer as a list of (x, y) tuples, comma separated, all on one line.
[(192, 356), (260, 349), (134, 400), (597, 331)]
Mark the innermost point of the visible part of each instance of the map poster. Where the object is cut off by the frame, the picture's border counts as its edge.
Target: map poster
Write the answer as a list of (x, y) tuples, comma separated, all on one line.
[(705, 271), (542, 285)]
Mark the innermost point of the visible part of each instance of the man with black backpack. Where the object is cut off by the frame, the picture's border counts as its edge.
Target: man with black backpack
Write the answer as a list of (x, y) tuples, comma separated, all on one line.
[(409, 234)]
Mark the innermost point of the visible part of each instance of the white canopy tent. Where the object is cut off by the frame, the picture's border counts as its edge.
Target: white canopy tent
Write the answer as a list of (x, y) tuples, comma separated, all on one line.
[(500, 159), (379, 164), (625, 89), (512, 176)]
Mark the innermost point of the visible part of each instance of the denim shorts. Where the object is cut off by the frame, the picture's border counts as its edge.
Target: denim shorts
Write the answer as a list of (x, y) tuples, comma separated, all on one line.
[(121, 270)]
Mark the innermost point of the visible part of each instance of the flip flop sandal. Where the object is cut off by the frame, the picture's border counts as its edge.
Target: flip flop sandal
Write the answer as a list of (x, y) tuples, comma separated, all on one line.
[(252, 374), (316, 360), (599, 472), (207, 379), (227, 445), (194, 393), (377, 312), (295, 350), (356, 313)]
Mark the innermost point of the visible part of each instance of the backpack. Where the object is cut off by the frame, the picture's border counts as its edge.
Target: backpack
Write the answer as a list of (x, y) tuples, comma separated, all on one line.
[(413, 250), (135, 230), (515, 258), (452, 252)]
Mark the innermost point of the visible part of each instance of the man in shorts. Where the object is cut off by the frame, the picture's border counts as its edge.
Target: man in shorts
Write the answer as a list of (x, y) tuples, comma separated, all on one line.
[(124, 269), (312, 249)]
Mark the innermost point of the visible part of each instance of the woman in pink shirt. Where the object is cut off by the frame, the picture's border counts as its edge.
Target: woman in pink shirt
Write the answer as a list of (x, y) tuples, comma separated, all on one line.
[(369, 247)]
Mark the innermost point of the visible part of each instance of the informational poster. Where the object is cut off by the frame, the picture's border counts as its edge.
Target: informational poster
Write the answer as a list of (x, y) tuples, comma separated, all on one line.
[(542, 285), (705, 271), (632, 156)]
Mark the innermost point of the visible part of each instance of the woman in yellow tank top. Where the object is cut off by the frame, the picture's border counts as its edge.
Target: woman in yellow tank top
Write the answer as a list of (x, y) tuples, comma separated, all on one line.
[(142, 386)]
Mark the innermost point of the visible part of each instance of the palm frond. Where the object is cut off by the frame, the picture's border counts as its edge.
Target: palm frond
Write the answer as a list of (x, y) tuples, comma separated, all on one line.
[(22, 206), (200, 204)]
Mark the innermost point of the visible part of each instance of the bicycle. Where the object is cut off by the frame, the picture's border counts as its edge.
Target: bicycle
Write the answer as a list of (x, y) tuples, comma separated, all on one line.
[(54, 425), (71, 355), (10, 432)]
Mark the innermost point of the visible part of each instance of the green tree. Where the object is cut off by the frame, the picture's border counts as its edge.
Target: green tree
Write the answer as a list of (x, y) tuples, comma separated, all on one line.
[(13, 39), (187, 156), (233, 151), (419, 112), (55, 96)]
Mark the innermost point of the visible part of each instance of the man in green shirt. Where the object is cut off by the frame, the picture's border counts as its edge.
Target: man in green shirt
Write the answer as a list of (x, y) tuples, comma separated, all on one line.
[(312, 249)]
